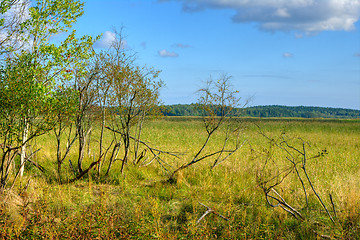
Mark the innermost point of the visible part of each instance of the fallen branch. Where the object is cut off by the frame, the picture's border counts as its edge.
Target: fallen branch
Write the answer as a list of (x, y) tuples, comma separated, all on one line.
[(18, 172), (93, 164), (210, 210), (333, 205), (321, 235), (174, 154), (144, 163), (282, 203), (72, 168), (154, 151)]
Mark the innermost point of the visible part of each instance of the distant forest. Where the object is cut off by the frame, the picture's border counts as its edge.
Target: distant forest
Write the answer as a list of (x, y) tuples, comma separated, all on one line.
[(270, 111)]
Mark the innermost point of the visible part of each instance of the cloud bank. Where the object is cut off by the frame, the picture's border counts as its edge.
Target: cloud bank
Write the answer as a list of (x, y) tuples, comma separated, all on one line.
[(286, 15)]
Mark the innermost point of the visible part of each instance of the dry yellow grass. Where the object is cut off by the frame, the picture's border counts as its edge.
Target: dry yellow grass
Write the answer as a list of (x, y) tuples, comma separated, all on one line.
[(140, 204)]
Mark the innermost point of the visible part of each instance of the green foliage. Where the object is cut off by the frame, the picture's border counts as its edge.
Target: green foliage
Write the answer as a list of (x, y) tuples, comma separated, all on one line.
[(29, 78), (23, 97), (301, 111), (182, 110), (5, 5), (130, 91), (47, 19), (270, 111), (133, 90), (137, 91), (34, 84)]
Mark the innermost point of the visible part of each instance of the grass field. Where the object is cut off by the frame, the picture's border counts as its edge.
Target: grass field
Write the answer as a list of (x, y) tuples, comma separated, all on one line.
[(141, 204)]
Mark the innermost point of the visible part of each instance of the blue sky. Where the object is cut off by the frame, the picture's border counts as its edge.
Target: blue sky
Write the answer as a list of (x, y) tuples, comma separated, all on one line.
[(278, 52)]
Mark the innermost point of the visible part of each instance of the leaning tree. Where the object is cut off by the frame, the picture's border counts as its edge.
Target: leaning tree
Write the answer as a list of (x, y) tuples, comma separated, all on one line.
[(219, 104)]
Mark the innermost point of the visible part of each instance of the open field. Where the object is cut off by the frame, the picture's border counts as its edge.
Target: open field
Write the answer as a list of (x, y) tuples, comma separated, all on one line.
[(141, 204)]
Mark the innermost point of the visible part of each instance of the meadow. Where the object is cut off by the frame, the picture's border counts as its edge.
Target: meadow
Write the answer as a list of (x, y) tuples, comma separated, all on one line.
[(142, 204)]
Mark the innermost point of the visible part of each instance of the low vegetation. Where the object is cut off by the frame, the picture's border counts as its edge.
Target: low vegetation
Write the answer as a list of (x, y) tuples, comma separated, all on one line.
[(142, 204)]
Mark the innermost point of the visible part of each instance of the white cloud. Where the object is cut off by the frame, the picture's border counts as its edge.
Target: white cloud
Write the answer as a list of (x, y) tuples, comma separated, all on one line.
[(165, 53), (288, 55), (282, 12), (181, 45), (107, 39), (287, 15)]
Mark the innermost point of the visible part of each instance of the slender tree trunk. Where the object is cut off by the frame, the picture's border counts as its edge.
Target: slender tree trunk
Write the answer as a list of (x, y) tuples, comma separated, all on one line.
[(101, 141), (3, 169), (137, 136), (60, 157), (23, 147), (58, 153), (82, 142), (81, 151), (113, 157), (88, 144), (59, 171), (126, 138)]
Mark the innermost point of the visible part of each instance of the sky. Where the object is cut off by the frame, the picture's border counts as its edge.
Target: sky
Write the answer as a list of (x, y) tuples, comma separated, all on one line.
[(278, 52)]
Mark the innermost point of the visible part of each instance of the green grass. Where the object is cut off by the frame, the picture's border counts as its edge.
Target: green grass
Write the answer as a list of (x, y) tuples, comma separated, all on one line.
[(140, 205)]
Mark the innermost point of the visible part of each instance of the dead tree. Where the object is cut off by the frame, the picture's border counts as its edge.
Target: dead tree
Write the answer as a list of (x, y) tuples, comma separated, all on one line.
[(219, 104), (271, 175)]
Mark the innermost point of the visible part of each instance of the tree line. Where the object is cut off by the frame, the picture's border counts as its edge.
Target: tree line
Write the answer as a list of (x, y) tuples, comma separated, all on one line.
[(269, 111)]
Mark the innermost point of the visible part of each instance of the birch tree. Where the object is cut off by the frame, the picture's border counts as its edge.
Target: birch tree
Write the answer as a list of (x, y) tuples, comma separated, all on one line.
[(134, 95), (43, 66)]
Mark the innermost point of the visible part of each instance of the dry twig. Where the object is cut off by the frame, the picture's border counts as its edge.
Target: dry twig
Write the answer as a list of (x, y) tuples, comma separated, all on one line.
[(210, 210)]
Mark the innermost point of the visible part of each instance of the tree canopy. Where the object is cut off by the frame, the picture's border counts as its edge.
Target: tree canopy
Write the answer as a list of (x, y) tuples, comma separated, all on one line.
[(270, 111)]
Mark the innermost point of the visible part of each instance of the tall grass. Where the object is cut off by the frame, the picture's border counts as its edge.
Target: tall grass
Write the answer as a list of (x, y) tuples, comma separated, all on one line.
[(141, 205)]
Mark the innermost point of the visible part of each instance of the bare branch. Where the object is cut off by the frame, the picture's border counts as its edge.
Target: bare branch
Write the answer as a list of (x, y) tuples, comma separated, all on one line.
[(174, 154), (312, 186), (333, 205), (93, 164), (210, 210)]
